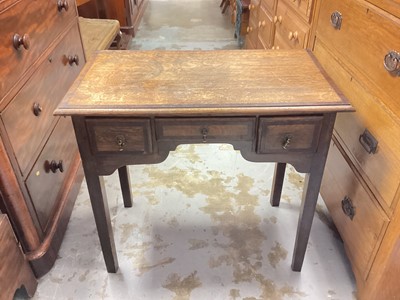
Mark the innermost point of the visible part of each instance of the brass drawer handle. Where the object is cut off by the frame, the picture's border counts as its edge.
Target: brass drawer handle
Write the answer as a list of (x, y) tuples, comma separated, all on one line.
[(336, 20), (73, 60), (348, 207), (204, 132), (368, 141), (37, 109), (54, 166), (286, 142), (121, 142), (21, 41), (391, 63), (62, 4)]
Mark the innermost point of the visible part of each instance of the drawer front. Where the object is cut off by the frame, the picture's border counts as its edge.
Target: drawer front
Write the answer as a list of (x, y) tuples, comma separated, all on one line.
[(289, 134), (251, 37), (198, 130), (381, 170), (345, 196), (31, 19), (253, 7), (29, 117), (366, 35), (303, 7), (268, 5), (46, 178), (265, 28), (293, 30), (128, 136)]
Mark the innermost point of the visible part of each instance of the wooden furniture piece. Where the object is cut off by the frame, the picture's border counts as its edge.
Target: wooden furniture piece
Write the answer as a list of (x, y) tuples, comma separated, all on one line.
[(357, 43), (134, 107), (280, 24), (98, 34), (40, 170), (128, 12), (15, 271)]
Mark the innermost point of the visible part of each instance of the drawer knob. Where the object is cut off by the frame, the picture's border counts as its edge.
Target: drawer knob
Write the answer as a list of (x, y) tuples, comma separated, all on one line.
[(73, 59), (336, 20), (293, 35), (392, 62), (204, 132), (286, 142), (21, 41), (54, 166), (37, 109), (121, 142), (62, 4), (368, 141), (348, 208)]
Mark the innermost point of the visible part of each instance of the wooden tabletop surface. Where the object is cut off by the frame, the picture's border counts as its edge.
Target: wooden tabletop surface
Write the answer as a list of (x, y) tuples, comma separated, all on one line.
[(224, 82)]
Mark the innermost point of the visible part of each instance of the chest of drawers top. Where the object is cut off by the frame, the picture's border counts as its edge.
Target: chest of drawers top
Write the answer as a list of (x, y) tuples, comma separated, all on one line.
[(201, 82)]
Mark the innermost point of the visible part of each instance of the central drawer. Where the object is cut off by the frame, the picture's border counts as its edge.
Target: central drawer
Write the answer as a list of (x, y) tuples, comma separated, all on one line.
[(199, 130)]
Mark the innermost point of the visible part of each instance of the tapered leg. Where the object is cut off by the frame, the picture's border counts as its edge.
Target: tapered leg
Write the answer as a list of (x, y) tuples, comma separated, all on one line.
[(101, 213), (277, 183), (125, 186)]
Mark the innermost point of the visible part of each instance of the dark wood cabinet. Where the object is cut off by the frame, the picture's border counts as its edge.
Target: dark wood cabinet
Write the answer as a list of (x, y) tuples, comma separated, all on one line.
[(40, 170)]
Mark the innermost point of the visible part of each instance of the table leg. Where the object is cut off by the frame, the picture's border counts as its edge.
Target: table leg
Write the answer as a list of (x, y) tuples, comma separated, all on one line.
[(277, 184), (308, 203), (101, 213), (125, 183)]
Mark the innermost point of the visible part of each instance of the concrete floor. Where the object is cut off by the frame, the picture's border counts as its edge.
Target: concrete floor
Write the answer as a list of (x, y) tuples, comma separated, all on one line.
[(201, 226)]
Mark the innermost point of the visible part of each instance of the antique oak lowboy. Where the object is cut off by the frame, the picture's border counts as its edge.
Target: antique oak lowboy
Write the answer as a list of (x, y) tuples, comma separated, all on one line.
[(134, 107)]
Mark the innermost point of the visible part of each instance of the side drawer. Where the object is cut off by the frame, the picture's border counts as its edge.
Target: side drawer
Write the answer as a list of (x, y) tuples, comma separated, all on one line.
[(364, 38), (381, 170), (251, 36), (359, 220), (301, 6), (293, 30), (29, 19), (288, 134), (29, 117), (265, 28), (198, 130), (122, 135), (51, 169)]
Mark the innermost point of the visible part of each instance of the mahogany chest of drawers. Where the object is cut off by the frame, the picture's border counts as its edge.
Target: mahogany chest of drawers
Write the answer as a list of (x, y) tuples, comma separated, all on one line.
[(41, 54)]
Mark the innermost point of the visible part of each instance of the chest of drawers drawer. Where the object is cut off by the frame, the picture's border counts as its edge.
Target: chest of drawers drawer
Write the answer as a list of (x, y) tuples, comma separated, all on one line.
[(265, 28), (360, 222), (292, 31), (288, 134), (29, 117), (363, 35), (24, 35), (46, 179), (199, 130), (302, 6), (252, 35), (128, 136)]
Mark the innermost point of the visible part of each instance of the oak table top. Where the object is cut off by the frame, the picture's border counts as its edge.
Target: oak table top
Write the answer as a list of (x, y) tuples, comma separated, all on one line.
[(201, 82)]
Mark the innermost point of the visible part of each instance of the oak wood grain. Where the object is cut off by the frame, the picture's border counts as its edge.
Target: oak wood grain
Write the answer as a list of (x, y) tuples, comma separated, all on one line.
[(201, 82)]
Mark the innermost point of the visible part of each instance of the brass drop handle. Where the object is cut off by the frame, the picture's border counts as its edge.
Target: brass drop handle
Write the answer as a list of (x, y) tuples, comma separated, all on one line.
[(204, 132), (62, 4), (37, 109), (336, 20), (287, 140), (121, 142), (54, 166), (391, 63), (293, 35), (348, 207), (21, 41), (73, 59)]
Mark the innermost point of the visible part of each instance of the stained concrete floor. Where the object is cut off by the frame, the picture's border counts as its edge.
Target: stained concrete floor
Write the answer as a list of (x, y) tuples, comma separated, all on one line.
[(201, 226)]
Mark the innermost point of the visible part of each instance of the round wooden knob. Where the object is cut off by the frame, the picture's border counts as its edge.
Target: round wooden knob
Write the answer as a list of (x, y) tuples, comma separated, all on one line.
[(37, 109), (248, 29), (259, 24), (73, 60), (23, 41), (277, 48), (54, 166), (62, 4), (263, 23)]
